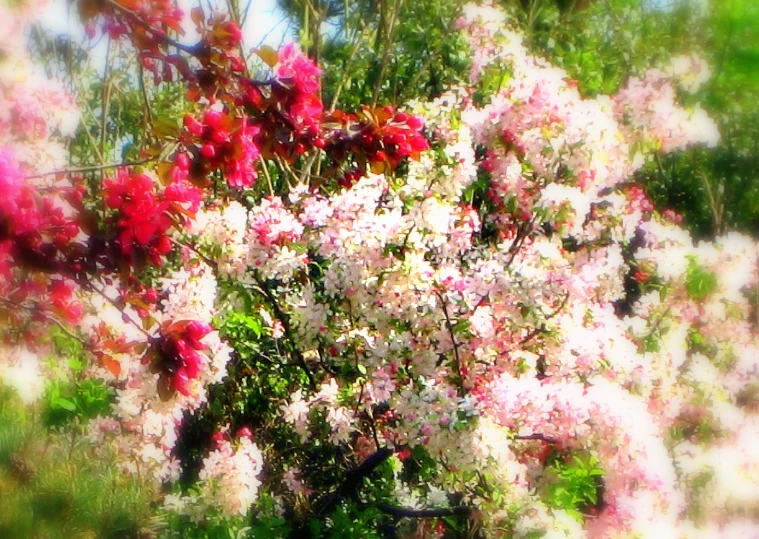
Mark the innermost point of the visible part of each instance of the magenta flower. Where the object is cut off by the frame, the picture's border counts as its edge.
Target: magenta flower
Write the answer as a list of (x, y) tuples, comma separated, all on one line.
[(296, 69)]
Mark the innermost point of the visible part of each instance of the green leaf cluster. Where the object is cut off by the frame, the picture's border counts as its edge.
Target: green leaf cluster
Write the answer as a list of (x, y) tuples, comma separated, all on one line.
[(574, 484), (699, 282)]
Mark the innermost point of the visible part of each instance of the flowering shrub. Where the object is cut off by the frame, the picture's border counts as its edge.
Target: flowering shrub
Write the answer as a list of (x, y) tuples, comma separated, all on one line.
[(416, 328)]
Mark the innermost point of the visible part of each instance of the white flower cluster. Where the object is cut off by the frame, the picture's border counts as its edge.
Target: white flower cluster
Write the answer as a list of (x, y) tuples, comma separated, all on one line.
[(342, 420), (229, 482)]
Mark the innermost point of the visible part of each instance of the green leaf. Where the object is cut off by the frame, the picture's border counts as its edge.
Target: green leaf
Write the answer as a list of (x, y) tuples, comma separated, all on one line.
[(699, 282), (254, 324), (66, 404)]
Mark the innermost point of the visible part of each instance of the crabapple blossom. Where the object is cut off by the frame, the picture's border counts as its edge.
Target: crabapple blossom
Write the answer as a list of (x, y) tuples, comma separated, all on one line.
[(512, 299)]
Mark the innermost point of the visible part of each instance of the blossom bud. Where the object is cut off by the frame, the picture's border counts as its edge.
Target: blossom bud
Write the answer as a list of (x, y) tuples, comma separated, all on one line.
[(183, 161), (163, 245), (415, 122), (195, 332), (235, 34), (151, 295), (212, 118), (71, 230), (192, 124), (219, 137), (245, 432), (180, 382), (208, 151)]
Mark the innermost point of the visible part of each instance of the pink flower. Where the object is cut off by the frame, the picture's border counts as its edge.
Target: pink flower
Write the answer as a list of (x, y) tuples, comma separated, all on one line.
[(18, 207), (179, 356), (145, 214), (298, 70)]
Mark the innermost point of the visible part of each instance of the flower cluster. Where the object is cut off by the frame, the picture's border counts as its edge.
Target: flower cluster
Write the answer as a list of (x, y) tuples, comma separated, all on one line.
[(227, 143), (161, 372), (145, 215), (228, 482), (177, 358), (298, 82), (341, 420), (42, 241), (560, 316)]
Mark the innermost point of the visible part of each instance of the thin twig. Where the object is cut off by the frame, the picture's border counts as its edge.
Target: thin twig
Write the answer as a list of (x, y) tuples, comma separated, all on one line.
[(449, 325), (90, 169), (541, 327), (89, 286), (63, 328), (204, 258), (106, 95), (522, 232), (536, 436), (146, 101), (386, 53), (156, 33), (346, 70), (266, 174)]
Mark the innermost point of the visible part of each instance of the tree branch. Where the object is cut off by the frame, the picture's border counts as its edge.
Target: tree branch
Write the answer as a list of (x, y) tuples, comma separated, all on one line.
[(90, 169), (285, 321), (353, 480), (531, 335), (135, 18), (537, 436), (407, 512), (449, 325)]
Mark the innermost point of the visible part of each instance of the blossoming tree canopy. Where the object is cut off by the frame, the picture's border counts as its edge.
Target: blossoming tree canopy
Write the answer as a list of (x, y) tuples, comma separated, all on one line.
[(469, 295)]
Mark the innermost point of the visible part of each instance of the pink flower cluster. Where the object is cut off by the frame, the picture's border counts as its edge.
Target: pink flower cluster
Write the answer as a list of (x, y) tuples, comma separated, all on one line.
[(295, 68), (42, 242), (161, 373), (179, 357), (564, 315), (145, 215), (227, 143)]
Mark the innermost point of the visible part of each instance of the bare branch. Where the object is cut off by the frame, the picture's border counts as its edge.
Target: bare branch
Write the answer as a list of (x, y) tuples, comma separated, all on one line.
[(449, 325), (90, 169)]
